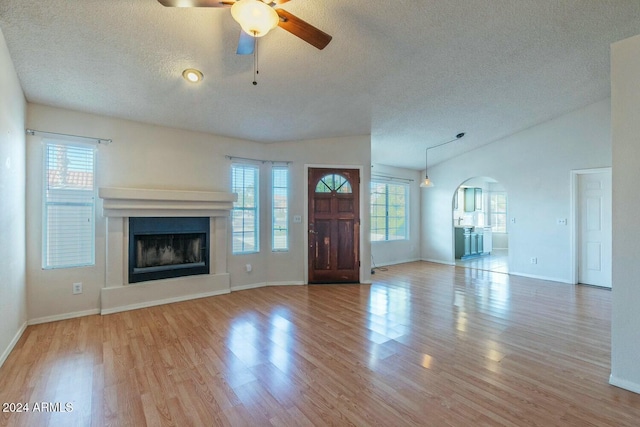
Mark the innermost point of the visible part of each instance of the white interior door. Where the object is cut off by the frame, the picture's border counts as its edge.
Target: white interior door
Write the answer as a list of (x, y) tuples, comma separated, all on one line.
[(594, 228)]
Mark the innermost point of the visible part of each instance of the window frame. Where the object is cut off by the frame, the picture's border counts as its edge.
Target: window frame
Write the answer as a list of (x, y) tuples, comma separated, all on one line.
[(255, 209), (275, 208), (493, 213), (386, 228), (49, 201)]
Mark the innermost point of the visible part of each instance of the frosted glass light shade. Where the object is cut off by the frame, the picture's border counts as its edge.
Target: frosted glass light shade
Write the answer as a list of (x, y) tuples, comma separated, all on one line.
[(255, 17), (426, 183)]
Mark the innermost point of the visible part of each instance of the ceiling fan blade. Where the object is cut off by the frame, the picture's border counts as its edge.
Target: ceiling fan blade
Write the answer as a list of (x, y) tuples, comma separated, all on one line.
[(302, 29), (246, 44), (280, 1), (195, 3)]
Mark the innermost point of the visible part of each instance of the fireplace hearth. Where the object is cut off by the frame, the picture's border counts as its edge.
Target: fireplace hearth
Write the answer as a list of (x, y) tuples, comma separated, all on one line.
[(162, 248)]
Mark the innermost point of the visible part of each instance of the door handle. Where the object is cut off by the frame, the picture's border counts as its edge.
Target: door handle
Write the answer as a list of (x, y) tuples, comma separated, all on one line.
[(312, 232)]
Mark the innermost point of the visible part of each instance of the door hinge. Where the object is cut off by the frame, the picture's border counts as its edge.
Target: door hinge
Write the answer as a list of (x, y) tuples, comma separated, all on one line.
[(359, 265)]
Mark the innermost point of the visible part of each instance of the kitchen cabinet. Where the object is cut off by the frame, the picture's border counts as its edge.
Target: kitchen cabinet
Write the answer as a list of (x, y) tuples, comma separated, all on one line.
[(472, 199), (469, 242), (469, 199), (487, 240)]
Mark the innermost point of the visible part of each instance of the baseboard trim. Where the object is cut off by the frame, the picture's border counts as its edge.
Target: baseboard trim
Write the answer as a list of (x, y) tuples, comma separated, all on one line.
[(438, 261), (161, 302), (403, 261), (627, 385), (293, 283), (265, 284), (12, 344), (249, 286), (64, 316), (535, 276)]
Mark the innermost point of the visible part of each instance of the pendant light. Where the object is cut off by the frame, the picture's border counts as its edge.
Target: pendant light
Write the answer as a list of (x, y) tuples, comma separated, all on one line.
[(426, 183)]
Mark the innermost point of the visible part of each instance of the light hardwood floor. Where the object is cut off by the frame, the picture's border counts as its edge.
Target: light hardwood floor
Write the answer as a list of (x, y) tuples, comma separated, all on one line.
[(497, 261), (426, 344)]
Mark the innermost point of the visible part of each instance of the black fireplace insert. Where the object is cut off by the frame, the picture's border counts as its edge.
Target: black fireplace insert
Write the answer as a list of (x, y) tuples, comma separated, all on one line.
[(161, 247)]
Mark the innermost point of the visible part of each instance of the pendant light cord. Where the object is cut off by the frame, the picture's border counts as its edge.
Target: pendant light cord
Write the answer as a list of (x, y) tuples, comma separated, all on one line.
[(427, 182), (426, 161), (458, 136)]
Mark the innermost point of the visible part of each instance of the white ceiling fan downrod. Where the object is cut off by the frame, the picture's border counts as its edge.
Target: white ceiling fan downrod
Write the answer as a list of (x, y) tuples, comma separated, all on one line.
[(255, 59)]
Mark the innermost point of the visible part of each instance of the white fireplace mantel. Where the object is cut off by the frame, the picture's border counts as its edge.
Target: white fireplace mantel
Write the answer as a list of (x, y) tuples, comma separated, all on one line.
[(119, 204), (127, 202)]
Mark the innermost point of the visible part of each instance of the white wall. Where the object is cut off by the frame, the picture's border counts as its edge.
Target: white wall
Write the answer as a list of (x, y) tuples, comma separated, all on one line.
[(13, 302), (534, 167), (394, 252), (148, 156), (625, 325)]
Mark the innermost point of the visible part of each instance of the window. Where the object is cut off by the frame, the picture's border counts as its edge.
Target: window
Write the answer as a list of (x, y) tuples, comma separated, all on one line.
[(498, 211), (389, 211), (280, 208), (68, 205), (333, 182), (244, 222)]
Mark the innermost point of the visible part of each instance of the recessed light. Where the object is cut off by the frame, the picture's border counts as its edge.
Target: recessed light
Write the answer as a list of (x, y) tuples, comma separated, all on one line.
[(192, 75)]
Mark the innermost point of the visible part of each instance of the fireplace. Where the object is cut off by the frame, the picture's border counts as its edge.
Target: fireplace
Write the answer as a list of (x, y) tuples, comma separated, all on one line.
[(167, 247), (197, 220)]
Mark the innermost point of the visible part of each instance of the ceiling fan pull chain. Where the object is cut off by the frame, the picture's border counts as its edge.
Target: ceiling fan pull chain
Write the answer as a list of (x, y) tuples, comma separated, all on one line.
[(255, 59)]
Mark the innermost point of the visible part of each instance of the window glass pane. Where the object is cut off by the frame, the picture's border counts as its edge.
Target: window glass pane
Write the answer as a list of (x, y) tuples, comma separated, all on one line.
[(333, 182), (498, 211), (69, 205), (280, 208), (244, 217), (389, 211)]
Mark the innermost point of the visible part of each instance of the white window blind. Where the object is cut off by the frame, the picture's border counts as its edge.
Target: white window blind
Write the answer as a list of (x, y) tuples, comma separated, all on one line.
[(69, 205), (280, 208), (244, 224)]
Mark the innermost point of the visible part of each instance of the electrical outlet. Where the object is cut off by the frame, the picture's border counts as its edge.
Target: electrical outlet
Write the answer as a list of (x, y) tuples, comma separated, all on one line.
[(513, 220), (562, 221), (77, 288), (534, 260)]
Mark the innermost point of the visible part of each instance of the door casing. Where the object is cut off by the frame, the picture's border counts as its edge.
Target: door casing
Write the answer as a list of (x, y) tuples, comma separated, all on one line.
[(574, 215)]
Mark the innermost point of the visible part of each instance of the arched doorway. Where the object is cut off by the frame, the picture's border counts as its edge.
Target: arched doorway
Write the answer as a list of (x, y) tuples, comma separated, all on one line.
[(480, 229)]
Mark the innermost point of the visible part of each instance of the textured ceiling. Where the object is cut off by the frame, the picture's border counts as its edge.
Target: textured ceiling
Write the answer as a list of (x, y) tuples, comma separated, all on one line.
[(412, 73)]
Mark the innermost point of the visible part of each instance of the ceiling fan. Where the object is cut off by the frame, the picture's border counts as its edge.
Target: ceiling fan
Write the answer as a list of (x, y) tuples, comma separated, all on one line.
[(257, 18)]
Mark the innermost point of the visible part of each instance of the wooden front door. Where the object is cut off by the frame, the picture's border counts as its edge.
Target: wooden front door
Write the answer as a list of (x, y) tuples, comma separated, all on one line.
[(334, 225)]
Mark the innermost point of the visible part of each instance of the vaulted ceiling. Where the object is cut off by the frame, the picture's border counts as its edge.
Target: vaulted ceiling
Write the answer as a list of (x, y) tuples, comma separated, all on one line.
[(411, 73)]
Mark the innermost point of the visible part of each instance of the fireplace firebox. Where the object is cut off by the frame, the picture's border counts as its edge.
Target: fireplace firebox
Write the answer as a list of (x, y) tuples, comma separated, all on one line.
[(162, 248)]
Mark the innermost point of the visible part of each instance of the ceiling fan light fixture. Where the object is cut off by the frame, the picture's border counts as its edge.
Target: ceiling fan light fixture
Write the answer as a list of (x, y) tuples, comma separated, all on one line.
[(255, 17), (192, 75)]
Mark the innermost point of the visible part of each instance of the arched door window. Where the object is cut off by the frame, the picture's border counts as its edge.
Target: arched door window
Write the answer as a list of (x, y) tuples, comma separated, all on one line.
[(333, 183)]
